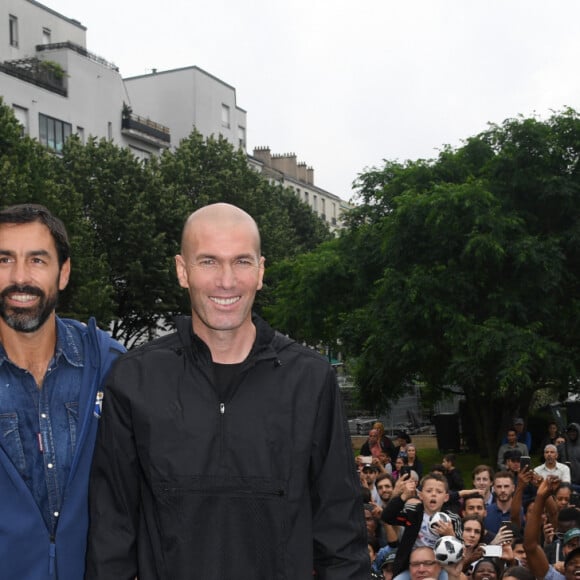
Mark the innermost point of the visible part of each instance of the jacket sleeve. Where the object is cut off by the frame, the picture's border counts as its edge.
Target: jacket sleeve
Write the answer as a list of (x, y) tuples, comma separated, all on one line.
[(339, 530), (393, 512), (114, 490)]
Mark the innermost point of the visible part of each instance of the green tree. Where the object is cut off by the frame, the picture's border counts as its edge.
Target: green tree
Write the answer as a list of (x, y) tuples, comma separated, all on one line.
[(30, 173), (124, 205), (464, 274)]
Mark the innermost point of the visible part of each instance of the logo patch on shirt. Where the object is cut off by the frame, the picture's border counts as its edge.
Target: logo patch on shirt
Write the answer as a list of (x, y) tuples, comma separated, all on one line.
[(98, 405)]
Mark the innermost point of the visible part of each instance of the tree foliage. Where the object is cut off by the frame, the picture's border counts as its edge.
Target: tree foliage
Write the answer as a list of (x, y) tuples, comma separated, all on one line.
[(125, 216), (470, 265)]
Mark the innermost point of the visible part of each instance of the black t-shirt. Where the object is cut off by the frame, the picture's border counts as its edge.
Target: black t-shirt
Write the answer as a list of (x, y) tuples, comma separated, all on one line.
[(225, 376)]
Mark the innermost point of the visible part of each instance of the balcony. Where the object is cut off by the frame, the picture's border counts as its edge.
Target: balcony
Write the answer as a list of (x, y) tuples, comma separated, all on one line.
[(43, 73), (144, 129), (78, 49)]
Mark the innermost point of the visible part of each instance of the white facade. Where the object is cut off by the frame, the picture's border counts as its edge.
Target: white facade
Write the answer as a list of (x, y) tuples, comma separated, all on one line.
[(57, 88), (188, 98), (86, 93)]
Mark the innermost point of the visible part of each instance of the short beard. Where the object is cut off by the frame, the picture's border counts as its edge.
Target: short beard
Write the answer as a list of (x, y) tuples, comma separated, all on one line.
[(27, 319)]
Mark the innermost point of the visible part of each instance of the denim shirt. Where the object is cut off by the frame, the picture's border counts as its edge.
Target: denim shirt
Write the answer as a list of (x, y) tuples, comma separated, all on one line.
[(38, 425)]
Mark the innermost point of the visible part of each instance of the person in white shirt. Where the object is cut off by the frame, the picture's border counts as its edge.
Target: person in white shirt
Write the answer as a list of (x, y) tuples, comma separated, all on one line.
[(551, 466)]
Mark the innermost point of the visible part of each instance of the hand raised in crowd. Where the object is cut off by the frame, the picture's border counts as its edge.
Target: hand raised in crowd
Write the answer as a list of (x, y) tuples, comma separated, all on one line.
[(507, 552), (559, 567), (377, 510), (406, 487), (548, 486), (503, 537), (525, 476), (363, 480), (377, 463), (549, 533), (472, 554)]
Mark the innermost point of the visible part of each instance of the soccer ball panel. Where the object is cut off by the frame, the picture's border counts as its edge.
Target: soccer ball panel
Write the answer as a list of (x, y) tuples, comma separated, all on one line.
[(448, 550)]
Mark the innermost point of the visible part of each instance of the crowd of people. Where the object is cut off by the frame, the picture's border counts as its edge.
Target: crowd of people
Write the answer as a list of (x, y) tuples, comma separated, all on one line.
[(515, 520)]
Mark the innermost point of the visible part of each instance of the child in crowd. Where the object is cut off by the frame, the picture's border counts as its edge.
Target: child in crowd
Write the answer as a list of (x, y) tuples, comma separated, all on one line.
[(412, 509)]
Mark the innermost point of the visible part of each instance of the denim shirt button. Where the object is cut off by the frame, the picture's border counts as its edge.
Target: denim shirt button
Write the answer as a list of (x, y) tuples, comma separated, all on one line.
[(43, 415), (56, 514), (50, 466)]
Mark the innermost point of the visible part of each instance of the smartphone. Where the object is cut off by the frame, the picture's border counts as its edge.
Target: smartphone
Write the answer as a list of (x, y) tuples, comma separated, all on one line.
[(492, 551), (506, 524), (405, 470), (524, 461)]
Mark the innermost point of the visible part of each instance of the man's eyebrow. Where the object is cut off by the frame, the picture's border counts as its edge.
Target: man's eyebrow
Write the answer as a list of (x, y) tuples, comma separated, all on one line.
[(4, 252)]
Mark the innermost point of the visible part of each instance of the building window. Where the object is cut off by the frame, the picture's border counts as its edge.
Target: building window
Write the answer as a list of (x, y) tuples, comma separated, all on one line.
[(315, 203), (46, 36), (81, 134), (52, 132), (242, 137), (110, 131), (13, 24), (225, 116), (21, 115), (323, 203), (141, 154), (306, 198)]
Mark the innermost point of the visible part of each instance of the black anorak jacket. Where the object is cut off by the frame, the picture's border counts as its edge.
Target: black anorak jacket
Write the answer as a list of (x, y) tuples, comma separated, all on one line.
[(261, 485)]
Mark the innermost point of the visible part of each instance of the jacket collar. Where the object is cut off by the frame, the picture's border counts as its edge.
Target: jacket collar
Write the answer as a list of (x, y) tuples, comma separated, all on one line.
[(261, 349)]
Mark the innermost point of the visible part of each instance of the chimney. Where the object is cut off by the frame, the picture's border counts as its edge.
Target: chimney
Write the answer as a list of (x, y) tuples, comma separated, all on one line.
[(310, 176), (302, 172), (286, 164), (263, 154)]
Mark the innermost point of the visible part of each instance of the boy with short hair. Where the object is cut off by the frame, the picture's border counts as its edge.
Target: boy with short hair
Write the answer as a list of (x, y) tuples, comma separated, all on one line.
[(412, 510)]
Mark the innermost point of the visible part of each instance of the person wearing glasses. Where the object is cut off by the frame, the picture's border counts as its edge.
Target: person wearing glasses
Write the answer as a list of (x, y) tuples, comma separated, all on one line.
[(423, 564)]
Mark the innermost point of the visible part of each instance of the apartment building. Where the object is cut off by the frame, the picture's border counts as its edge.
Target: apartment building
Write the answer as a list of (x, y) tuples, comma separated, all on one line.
[(284, 168), (188, 98), (57, 88)]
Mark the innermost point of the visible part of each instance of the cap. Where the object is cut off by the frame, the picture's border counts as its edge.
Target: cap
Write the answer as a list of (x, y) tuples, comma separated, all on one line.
[(572, 427), (513, 454), (369, 467), (570, 535), (389, 559), (518, 421)]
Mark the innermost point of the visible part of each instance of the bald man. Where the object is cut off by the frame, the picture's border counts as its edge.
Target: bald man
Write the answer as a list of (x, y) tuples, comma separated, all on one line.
[(222, 451)]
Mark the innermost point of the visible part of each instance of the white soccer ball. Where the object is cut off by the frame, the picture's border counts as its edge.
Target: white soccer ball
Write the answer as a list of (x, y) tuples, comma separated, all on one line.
[(448, 550), (436, 518)]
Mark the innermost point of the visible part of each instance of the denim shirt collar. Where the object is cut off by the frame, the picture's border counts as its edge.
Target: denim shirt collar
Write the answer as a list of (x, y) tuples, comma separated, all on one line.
[(68, 344)]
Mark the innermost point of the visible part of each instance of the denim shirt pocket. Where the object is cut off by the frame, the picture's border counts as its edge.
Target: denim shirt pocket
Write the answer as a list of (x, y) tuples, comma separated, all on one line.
[(11, 441), (72, 412)]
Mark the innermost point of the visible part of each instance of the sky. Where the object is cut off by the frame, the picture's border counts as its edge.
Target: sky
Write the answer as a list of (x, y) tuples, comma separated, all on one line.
[(347, 85)]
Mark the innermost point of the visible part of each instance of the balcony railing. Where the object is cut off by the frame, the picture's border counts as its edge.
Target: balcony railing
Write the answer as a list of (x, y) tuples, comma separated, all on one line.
[(79, 49), (133, 122), (38, 72)]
